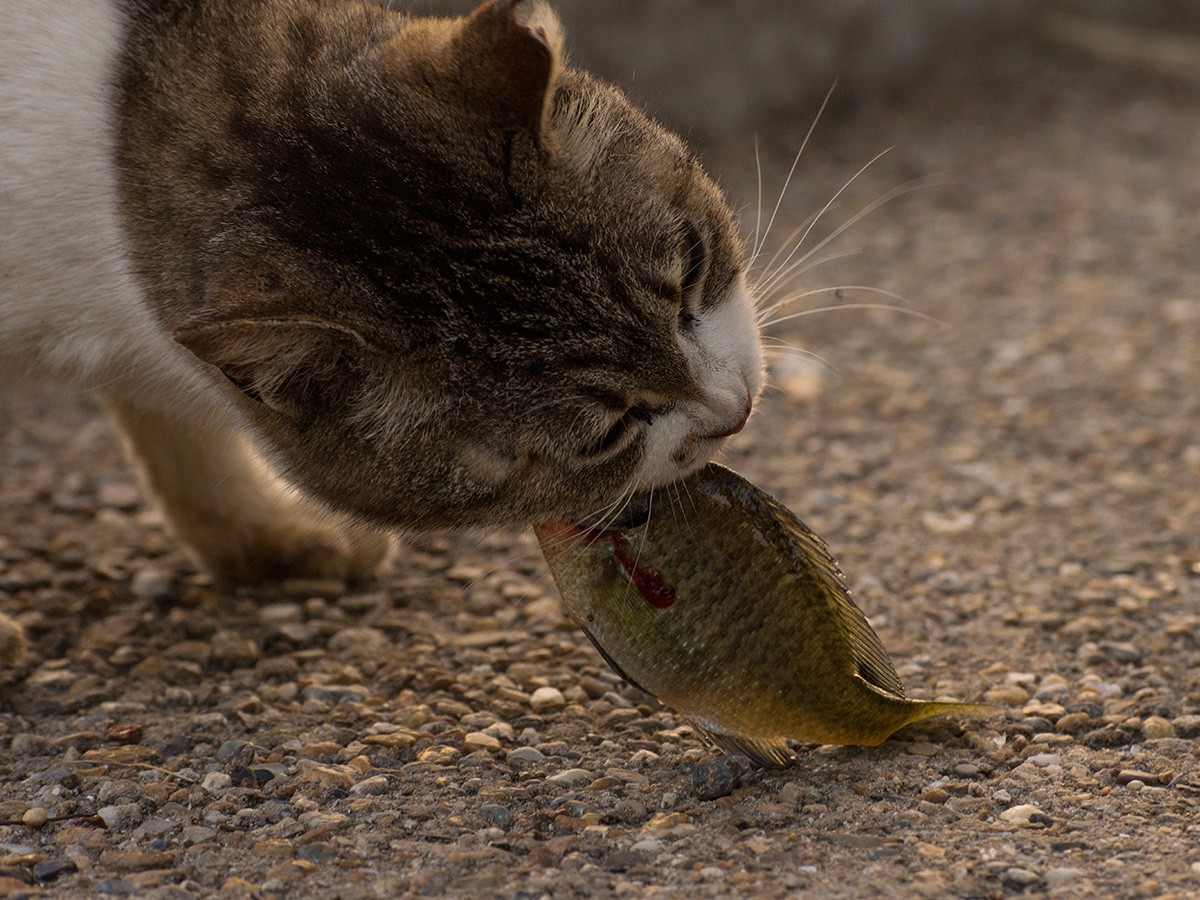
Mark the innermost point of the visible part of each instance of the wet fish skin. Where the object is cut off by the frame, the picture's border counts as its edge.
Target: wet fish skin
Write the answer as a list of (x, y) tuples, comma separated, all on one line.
[(730, 610)]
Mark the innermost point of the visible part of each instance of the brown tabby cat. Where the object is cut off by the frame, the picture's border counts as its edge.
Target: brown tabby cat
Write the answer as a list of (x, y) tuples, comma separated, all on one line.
[(417, 267)]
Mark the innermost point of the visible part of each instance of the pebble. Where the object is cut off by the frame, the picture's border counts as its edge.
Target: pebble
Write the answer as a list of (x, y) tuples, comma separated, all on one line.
[(150, 584), (1026, 815), (525, 754), (1062, 875), (1044, 760), (1156, 728), (477, 740), (35, 817), (1007, 695), (1020, 878), (545, 699), (216, 781), (715, 779), (572, 777), (49, 870), (496, 815), (376, 784)]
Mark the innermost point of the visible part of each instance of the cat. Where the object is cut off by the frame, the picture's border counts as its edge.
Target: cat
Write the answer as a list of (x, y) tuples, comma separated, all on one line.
[(335, 271)]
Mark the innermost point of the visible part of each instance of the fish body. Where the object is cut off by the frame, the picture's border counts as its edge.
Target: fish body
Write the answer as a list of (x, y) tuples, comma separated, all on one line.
[(731, 611)]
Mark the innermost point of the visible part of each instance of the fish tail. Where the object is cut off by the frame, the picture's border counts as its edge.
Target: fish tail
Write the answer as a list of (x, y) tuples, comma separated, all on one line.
[(920, 710)]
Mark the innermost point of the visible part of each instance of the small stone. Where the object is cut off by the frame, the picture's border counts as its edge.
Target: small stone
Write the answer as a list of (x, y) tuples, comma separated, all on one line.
[(1063, 875), (35, 817), (150, 584), (648, 845), (545, 699), (1128, 776), (216, 781), (572, 776), (497, 815), (115, 887), (1156, 728), (1020, 878), (438, 755), (1026, 815), (49, 870), (923, 748), (477, 740), (1072, 723), (377, 784), (1044, 760), (715, 779), (630, 812), (1007, 695), (502, 731), (966, 770), (934, 795), (197, 834), (525, 755)]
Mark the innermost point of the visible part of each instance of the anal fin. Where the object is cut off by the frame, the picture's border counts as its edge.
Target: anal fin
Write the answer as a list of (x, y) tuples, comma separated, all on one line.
[(770, 753)]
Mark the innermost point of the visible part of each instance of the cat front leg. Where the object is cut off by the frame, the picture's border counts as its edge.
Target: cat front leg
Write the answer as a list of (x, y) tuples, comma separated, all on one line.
[(238, 517)]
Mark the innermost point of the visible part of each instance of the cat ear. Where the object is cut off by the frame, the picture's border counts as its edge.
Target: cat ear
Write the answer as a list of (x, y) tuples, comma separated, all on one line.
[(289, 363), (505, 64)]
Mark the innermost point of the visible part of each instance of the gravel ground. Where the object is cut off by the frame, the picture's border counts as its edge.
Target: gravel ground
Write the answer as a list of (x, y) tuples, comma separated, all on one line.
[(1012, 491)]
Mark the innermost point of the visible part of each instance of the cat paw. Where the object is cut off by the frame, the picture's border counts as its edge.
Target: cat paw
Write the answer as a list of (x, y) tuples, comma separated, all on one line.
[(291, 549), (12, 642)]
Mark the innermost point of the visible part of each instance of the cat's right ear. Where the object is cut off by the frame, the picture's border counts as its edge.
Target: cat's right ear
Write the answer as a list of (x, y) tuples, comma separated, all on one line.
[(500, 62), (290, 363)]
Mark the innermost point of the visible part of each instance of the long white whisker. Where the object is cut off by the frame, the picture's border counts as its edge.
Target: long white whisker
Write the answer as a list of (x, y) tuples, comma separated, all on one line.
[(769, 284), (765, 286), (796, 161), (847, 306)]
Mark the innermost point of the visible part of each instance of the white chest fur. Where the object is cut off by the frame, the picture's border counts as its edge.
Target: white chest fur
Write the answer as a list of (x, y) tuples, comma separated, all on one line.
[(68, 306)]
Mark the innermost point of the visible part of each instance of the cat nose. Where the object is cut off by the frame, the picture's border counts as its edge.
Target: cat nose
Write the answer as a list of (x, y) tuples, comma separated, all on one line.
[(734, 427)]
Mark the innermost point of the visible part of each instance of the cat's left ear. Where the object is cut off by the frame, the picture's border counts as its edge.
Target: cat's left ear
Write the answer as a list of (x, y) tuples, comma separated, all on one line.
[(502, 60), (290, 363)]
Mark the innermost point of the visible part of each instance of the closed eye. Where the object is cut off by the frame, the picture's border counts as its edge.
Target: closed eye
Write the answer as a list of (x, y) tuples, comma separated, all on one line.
[(625, 428)]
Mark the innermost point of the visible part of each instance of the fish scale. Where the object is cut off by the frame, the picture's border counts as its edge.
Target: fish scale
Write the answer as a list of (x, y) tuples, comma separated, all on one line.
[(760, 642)]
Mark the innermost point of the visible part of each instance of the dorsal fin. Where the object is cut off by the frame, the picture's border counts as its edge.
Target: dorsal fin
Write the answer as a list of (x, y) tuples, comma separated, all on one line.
[(810, 556)]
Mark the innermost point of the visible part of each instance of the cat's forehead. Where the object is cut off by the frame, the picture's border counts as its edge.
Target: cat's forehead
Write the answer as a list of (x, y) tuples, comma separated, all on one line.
[(600, 134)]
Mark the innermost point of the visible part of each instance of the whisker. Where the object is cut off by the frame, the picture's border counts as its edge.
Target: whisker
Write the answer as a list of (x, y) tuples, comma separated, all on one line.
[(778, 351), (896, 192), (802, 266), (883, 306), (765, 286), (792, 171)]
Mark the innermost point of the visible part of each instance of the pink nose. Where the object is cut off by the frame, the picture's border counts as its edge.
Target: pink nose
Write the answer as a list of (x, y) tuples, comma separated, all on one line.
[(735, 427)]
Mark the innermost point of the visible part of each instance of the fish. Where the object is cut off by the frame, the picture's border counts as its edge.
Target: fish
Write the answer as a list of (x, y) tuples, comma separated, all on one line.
[(731, 611)]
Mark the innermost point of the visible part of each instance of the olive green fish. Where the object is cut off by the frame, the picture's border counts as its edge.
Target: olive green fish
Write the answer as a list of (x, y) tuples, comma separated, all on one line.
[(730, 610)]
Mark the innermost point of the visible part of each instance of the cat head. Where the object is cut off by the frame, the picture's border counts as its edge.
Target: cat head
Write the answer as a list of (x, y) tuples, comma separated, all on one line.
[(460, 283)]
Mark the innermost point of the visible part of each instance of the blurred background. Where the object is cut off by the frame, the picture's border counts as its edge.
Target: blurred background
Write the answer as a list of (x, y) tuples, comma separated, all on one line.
[(718, 69)]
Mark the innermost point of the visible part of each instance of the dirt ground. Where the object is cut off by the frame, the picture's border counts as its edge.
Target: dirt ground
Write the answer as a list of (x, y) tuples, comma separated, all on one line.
[(1012, 490)]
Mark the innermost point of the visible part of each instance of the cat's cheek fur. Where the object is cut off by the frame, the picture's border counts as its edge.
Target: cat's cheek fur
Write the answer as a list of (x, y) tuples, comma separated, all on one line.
[(731, 365)]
